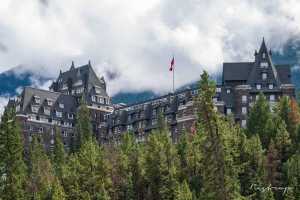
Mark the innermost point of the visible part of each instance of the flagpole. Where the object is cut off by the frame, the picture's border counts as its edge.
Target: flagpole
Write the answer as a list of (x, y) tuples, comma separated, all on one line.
[(173, 78)]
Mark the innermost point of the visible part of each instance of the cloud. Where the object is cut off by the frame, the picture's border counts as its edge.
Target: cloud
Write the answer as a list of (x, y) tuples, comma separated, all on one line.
[(131, 42), (3, 103)]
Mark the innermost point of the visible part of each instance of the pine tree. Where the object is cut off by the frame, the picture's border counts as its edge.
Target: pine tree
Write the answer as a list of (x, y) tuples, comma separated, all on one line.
[(87, 173), (59, 156), (253, 172), (83, 126), (57, 191), (294, 120), (183, 192), (126, 151), (160, 167), (218, 148), (293, 174), (258, 118), (12, 166), (41, 176)]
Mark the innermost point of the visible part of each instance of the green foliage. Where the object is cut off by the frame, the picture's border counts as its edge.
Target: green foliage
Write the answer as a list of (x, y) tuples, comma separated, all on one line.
[(259, 118), (41, 174), (83, 127), (219, 162), (219, 145), (59, 156), (12, 166), (183, 192), (160, 167)]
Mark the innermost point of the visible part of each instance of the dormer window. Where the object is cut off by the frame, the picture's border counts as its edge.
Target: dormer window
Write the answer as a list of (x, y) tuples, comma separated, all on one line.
[(49, 102), (61, 105), (258, 86), (94, 98), (37, 99), (272, 97), (228, 91), (70, 116), (264, 55), (264, 65), (264, 76), (271, 86), (218, 89)]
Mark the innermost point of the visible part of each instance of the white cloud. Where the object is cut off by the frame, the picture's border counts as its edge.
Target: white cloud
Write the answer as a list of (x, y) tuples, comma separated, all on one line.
[(3, 103), (135, 39)]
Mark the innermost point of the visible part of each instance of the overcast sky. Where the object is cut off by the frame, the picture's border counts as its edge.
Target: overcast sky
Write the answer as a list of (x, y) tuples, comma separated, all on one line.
[(131, 42)]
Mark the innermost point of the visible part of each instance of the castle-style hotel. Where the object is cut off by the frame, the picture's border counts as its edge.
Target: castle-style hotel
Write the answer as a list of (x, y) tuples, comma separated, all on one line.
[(40, 111)]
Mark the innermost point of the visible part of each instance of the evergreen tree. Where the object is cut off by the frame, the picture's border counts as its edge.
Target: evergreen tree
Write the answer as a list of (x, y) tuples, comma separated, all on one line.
[(83, 126), (41, 175), (59, 156), (87, 173), (258, 118), (253, 172), (125, 171), (160, 167), (12, 166), (183, 192), (218, 148), (293, 173), (57, 191), (294, 120)]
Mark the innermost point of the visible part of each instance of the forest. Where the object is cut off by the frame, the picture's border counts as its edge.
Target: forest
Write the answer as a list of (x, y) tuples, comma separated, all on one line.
[(219, 161)]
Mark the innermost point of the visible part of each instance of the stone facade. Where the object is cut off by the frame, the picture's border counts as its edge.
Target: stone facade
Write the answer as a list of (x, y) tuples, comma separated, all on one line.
[(40, 111)]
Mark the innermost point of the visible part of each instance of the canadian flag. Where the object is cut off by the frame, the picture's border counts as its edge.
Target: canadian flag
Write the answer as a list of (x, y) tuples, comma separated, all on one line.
[(172, 64)]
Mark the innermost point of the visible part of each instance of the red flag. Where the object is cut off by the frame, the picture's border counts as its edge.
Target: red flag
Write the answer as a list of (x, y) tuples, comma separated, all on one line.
[(172, 64)]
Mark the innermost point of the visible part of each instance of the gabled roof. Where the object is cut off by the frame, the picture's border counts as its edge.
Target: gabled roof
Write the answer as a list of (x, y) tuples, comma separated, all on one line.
[(263, 55), (84, 73)]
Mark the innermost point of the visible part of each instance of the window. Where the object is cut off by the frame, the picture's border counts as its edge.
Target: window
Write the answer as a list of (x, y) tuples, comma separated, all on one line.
[(35, 109), (218, 89), (264, 55), (37, 99), (46, 111), (70, 116), (244, 99), (228, 111), (271, 86), (41, 129), (61, 105), (93, 98), (272, 97), (49, 102), (244, 123), (51, 141), (17, 108), (215, 100), (129, 127), (264, 64), (65, 133), (228, 91), (264, 76), (244, 110), (58, 114), (257, 97), (258, 86)]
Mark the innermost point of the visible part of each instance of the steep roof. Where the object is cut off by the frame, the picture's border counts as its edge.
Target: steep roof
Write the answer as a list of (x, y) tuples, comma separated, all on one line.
[(70, 102), (284, 73), (236, 71), (84, 73)]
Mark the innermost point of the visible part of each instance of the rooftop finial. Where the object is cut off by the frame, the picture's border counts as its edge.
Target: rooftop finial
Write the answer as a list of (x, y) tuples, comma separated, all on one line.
[(89, 62), (72, 65)]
